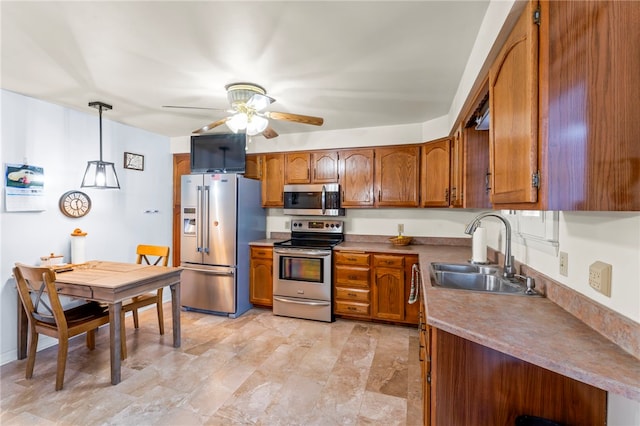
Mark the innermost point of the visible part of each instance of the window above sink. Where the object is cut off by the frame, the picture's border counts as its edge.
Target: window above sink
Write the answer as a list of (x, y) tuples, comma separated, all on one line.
[(536, 229)]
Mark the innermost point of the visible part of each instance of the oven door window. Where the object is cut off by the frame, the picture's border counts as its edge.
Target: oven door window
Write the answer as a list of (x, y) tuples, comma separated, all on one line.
[(306, 269)]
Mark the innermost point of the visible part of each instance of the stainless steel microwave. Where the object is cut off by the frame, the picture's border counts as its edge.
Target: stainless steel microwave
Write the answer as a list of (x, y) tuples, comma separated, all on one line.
[(313, 200)]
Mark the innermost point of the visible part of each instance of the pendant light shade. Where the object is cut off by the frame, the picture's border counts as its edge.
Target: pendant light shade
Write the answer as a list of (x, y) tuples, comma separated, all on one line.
[(100, 174)]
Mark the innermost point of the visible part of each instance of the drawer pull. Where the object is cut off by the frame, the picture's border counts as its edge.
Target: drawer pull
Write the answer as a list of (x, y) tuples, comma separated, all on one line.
[(352, 308), (353, 277), (352, 294)]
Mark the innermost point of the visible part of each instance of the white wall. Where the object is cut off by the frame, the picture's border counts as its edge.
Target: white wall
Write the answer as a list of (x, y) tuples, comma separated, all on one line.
[(62, 141)]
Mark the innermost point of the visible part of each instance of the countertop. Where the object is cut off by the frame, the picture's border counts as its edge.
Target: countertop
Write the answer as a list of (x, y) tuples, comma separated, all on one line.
[(267, 242), (533, 329)]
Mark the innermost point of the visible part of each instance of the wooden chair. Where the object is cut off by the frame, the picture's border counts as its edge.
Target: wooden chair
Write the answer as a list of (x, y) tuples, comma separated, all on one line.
[(47, 316), (150, 255)]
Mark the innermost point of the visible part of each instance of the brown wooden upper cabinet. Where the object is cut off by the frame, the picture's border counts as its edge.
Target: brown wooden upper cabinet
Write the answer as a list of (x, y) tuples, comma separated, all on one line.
[(397, 176), (253, 166), (356, 177), (513, 102), (273, 180), (435, 173), (564, 96), (457, 183), (380, 177), (589, 91), (311, 167)]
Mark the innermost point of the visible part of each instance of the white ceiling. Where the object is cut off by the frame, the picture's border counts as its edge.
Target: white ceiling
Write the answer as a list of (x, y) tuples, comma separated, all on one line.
[(355, 63)]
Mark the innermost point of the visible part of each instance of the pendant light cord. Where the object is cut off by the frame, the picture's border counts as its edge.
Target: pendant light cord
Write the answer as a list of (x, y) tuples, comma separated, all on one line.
[(100, 115)]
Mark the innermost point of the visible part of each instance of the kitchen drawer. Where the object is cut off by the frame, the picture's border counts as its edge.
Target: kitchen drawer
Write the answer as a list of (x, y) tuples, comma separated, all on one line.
[(388, 261), (357, 294), (262, 252), (352, 276), (347, 258), (352, 308)]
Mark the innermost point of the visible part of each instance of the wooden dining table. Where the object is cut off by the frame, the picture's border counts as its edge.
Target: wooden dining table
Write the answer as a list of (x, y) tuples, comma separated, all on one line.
[(111, 283)]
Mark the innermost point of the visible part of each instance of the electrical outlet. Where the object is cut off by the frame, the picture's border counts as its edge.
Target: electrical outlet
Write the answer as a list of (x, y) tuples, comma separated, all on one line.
[(287, 225), (600, 277), (400, 228), (564, 264)]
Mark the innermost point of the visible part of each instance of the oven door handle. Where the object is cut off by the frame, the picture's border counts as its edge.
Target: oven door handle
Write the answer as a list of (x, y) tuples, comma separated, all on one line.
[(299, 302), (302, 252)]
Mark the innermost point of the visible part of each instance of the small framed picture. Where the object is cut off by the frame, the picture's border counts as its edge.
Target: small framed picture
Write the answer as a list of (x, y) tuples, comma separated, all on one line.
[(133, 161)]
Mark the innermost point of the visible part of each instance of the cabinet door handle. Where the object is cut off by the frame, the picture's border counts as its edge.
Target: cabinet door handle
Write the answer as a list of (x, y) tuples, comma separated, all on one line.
[(379, 195)]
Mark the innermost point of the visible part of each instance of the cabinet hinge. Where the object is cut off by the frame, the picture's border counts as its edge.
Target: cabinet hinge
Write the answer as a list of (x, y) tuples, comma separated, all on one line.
[(535, 180), (536, 16)]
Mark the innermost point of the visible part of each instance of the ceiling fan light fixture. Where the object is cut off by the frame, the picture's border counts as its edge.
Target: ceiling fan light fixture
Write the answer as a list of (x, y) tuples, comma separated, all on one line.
[(100, 174), (259, 102), (257, 125), (240, 93), (237, 122)]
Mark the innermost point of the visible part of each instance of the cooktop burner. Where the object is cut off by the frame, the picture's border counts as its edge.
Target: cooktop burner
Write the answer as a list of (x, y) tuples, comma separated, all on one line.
[(321, 234), (303, 243)]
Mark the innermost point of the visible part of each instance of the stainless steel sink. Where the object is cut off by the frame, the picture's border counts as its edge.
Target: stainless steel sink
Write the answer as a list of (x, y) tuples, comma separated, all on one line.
[(482, 278), (466, 267)]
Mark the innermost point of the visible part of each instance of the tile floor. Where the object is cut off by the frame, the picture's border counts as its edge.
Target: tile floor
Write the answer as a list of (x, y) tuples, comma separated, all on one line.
[(257, 369)]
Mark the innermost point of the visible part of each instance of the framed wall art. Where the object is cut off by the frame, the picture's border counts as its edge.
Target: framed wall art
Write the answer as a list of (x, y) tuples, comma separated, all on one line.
[(133, 161)]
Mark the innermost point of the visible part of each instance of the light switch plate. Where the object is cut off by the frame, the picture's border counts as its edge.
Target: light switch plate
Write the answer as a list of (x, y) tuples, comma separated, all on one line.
[(600, 277)]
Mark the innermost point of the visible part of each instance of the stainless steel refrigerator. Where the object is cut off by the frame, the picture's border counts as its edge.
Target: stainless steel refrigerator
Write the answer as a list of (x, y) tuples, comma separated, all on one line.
[(221, 214)]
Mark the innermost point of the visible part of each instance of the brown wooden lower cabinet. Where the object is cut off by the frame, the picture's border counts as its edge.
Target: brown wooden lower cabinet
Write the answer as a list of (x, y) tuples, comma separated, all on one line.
[(374, 286), (470, 384), (261, 276)]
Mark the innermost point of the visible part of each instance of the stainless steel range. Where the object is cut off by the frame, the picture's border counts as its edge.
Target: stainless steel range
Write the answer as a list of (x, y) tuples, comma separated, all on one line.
[(302, 284)]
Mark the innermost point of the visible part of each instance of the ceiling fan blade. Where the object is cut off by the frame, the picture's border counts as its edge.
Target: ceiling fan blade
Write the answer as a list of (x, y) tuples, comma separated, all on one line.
[(192, 107), (259, 102), (304, 119), (269, 133), (211, 125)]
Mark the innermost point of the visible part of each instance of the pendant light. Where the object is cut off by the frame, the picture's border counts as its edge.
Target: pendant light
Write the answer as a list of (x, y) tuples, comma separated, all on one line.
[(100, 174)]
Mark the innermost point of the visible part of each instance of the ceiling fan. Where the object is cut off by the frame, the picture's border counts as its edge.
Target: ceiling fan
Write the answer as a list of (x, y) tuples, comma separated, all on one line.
[(248, 103)]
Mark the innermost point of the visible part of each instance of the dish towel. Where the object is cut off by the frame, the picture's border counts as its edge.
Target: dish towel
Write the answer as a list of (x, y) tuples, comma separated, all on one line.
[(416, 281)]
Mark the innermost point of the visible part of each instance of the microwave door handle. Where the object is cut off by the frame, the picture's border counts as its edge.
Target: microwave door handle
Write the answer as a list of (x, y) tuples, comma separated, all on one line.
[(324, 199)]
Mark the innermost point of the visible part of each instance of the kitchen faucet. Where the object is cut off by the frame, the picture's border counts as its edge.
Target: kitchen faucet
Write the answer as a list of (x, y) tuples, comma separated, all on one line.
[(509, 270)]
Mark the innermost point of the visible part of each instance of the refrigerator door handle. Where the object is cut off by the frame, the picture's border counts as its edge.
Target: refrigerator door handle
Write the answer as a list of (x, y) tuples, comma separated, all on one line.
[(199, 220), (205, 201)]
